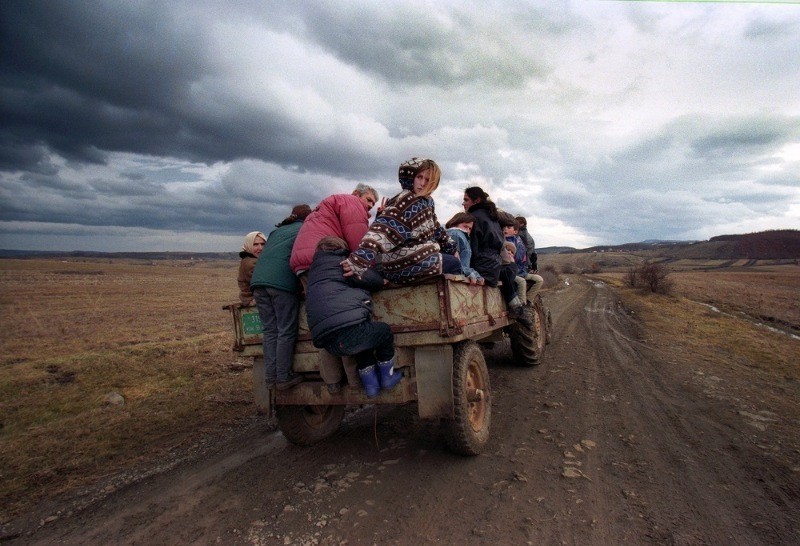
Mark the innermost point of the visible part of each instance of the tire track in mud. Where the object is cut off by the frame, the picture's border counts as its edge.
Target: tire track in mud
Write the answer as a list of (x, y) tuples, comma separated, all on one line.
[(674, 468)]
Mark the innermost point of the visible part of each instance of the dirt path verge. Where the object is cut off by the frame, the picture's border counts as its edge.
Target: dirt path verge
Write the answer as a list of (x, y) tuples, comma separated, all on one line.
[(613, 439)]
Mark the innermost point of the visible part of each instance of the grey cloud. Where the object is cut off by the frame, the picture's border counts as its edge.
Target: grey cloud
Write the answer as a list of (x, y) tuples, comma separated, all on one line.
[(746, 137), (127, 187), (770, 30), (85, 79), (412, 45)]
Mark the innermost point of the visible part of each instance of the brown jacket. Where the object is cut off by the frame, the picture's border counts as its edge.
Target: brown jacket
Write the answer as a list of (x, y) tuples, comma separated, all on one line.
[(246, 267)]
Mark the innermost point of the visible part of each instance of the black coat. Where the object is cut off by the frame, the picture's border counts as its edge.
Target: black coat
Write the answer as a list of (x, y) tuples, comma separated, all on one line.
[(334, 301), (486, 240)]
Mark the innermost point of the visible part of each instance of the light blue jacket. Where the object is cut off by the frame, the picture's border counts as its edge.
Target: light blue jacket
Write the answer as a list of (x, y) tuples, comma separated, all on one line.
[(464, 252)]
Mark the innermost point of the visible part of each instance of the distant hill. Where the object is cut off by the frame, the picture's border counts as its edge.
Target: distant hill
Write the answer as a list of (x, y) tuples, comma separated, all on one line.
[(4, 253), (555, 250), (765, 245)]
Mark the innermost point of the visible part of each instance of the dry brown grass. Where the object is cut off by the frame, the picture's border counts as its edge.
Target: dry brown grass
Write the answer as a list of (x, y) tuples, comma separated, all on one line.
[(771, 294), (72, 332)]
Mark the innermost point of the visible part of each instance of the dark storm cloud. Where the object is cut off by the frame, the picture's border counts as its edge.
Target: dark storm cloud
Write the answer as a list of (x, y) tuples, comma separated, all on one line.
[(82, 79), (80, 76), (185, 120)]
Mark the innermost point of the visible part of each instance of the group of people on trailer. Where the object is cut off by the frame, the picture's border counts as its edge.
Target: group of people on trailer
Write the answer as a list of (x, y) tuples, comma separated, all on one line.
[(337, 259)]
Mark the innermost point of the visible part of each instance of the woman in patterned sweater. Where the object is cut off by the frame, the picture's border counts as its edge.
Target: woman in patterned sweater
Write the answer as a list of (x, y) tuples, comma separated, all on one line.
[(405, 239)]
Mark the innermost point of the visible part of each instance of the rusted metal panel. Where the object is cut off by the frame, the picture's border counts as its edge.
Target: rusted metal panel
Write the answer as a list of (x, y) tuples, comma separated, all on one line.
[(246, 326), (431, 313), (467, 302), (434, 369), (408, 308)]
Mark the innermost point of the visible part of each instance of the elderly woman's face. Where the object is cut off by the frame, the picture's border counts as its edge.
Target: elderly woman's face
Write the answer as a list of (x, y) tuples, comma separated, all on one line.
[(258, 246)]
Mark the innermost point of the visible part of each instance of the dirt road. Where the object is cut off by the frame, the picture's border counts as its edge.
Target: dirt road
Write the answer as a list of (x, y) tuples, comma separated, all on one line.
[(609, 441)]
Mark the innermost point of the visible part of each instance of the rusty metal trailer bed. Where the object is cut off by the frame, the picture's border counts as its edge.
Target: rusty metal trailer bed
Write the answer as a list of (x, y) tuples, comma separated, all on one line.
[(437, 327)]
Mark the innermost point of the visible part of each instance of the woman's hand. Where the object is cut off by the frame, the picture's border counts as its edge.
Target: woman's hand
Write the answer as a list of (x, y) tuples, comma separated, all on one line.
[(382, 205)]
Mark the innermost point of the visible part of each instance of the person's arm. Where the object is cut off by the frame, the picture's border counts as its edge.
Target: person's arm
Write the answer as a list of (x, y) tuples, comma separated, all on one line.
[(246, 268), (440, 235), (370, 280), (382, 237), (465, 254), (521, 257)]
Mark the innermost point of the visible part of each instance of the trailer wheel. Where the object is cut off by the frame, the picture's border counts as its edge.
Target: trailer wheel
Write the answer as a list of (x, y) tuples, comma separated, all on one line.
[(527, 344), (468, 432), (307, 425)]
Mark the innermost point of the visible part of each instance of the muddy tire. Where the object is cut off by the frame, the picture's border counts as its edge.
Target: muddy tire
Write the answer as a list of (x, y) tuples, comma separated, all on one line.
[(467, 432), (307, 425), (527, 344)]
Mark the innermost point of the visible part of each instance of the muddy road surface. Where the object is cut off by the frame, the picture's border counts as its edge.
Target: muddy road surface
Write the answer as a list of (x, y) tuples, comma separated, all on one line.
[(608, 441)]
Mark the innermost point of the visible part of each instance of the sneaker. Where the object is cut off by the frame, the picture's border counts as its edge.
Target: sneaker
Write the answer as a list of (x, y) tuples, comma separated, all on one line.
[(289, 383)]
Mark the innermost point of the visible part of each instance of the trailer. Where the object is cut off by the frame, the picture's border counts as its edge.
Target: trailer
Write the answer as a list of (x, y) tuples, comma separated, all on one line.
[(439, 327)]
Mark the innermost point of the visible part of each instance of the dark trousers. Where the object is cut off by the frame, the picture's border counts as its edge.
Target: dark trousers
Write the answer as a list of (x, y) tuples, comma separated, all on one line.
[(368, 342), (451, 265), (508, 275), (277, 310)]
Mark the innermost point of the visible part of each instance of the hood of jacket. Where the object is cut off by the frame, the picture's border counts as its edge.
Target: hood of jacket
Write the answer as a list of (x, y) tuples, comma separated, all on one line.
[(407, 172)]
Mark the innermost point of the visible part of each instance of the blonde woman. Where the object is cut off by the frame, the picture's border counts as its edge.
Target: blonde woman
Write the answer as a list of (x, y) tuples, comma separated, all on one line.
[(406, 239)]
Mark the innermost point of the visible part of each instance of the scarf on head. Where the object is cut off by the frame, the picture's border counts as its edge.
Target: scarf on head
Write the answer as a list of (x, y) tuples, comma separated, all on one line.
[(249, 239)]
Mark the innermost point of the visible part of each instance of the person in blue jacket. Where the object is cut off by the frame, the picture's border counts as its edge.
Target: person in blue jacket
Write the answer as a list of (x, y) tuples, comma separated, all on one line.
[(339, 313), (276, 291), (459, 228)]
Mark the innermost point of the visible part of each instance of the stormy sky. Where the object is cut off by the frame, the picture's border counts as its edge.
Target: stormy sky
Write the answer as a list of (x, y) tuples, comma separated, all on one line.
[(175, 125)]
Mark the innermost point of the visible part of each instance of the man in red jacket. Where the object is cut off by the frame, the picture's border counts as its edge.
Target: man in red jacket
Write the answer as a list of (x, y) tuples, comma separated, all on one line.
[(341, 215), (347, 217)]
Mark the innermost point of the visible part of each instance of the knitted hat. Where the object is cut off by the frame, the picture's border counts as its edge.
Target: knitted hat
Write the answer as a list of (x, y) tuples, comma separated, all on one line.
[(408, 170)]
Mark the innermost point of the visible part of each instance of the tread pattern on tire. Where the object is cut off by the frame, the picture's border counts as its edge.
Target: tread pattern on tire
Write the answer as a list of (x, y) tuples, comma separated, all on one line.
[(527, 345), (461, 437)]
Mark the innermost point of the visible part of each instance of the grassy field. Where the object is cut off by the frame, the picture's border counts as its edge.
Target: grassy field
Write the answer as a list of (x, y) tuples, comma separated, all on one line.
[(72, 332), (765, 290)]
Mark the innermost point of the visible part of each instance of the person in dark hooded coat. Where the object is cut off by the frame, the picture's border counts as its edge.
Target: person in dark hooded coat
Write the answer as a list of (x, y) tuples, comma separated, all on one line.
[(339, 312)]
